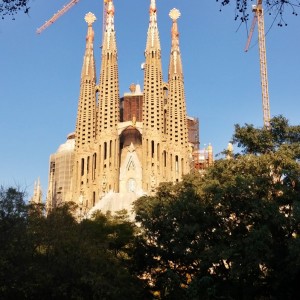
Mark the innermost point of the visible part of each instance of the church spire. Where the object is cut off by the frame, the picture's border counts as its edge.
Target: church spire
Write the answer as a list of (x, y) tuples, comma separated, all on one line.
[(109, 40), (88, 68), (177, 135), (37, 193), (153, 105), (85, 132), (153, 36), (108, 107), (153, 79), (175, 66), (86, 114), (109, 78)]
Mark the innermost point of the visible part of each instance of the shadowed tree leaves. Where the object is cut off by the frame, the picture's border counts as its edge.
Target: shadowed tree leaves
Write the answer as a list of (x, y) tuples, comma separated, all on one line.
[(55, 257), (14, 247), (261, 140), (231, 233), (276, 8), (12, 7)]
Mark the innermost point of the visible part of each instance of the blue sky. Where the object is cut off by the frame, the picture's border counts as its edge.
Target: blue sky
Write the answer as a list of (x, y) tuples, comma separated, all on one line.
[(40, 74)]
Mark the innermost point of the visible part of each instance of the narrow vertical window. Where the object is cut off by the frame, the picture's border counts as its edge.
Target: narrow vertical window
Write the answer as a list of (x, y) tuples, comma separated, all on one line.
[(152, 149), (105, 150), (147, 146), (82, 166), (94, 166), (110, 148), (165, 121), (88, 165)]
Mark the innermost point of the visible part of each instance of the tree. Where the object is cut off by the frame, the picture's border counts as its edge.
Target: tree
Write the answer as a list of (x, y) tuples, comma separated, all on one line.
[(233, 233), (262, 140), (13, 243), (12, 7), (277, 8), (79, 262), (55, 257)]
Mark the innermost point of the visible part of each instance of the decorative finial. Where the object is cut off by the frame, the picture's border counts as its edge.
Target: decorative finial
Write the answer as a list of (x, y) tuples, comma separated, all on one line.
[(230, 147), (110, 10), (152, 7), (174, 14), (90, 18)]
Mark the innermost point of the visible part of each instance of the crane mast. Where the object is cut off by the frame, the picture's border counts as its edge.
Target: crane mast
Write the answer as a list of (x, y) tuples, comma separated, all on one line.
[(259, 18)]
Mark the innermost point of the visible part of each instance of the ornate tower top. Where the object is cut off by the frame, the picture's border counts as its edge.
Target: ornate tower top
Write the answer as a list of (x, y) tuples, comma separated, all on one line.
[(90, 18), (37, 195), (177, 133), (153, 39), (88, 68), (152, 7), (174, 14), (108, 104), (86, 113), (109, 27)]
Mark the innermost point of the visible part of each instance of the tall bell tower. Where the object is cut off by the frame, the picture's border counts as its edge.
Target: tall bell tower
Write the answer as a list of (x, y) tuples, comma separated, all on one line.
[(177, 132), (108, 144), (84, 165), (153, 107)]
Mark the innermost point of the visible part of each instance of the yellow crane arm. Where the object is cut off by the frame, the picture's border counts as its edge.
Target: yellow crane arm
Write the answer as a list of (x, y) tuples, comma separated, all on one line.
[(57, 15), (254, 21)]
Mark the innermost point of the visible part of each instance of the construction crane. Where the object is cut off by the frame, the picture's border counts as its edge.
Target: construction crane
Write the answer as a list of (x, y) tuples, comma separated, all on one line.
[(57, 15), (64, 10), (259, 19)]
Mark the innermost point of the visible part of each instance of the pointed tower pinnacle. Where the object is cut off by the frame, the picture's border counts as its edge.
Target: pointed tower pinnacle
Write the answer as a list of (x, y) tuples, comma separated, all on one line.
[(108, 107), (86, 114), (37, 193), (177, 134), (153, 36), (49, 198), (85, 133), (153, 106), (175, 60), (229, 154), (210, 154)]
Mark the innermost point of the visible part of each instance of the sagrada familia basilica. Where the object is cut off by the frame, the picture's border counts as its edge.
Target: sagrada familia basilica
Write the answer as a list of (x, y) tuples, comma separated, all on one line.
[(124, 147)]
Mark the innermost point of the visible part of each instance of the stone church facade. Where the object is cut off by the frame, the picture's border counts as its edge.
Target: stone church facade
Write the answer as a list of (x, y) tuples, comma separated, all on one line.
[(124, 147)]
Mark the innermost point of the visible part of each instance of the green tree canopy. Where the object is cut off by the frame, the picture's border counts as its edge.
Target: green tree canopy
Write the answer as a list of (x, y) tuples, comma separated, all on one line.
[(12, 7), (55, 257), (232, 233), (256, 141)]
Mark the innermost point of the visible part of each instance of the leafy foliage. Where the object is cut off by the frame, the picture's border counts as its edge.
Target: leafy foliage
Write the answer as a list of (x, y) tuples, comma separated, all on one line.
[(55, 257), (12, 7), (276, 8), (259, 141), (233, 233)]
